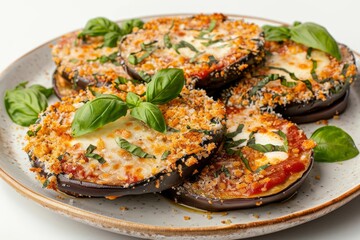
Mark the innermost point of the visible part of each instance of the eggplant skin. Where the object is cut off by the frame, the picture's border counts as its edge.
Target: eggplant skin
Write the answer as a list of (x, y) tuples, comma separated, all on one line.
[(160, 182), (319, 114), (180, 195)]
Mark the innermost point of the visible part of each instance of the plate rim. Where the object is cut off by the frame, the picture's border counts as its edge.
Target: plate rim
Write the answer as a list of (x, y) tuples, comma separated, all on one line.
[(109, 223)]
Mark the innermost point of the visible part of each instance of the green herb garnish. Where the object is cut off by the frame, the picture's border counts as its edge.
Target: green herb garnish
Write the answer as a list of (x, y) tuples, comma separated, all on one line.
[(89, 154), (133, 149), (333, 144), (24, 105), (164, 86), (309, 34), (111, 31)]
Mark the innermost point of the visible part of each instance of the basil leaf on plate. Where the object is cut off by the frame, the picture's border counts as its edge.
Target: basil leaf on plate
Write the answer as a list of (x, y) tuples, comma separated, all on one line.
[(166, 85), (111, 39), (46, 91), (96, 113), (133, 149), (23, 105), (151, 115), (333, 144)]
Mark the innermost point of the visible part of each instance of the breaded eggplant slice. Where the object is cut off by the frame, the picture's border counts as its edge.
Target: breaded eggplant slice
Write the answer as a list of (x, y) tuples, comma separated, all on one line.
[(308, 82), (95, 165), (211, 49), (264, 159), (83, 62)]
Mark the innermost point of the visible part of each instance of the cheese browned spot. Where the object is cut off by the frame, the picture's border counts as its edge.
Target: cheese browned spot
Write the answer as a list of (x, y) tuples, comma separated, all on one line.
[(241, 171), (206, 47), (318, 76), (190, 119)]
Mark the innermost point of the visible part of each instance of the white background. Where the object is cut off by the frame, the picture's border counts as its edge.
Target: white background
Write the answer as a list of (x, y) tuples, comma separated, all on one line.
[(26, 24)]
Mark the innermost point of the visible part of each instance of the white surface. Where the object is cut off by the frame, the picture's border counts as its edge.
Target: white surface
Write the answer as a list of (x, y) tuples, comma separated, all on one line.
[(27, 24)]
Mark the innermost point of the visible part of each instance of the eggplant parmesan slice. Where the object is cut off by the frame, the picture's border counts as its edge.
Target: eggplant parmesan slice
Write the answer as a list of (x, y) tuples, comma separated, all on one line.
[(211, 49), (298, 82), (125, 157), (264, 159), (84, 62)]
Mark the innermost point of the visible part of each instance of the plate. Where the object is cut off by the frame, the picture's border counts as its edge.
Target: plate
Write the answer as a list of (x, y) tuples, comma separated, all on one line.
[(329, 186)]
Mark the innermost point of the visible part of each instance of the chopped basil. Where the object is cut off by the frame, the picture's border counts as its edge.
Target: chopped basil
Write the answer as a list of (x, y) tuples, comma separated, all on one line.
[(333, 144), (291, 74), (313, 70), (133, 149), (224, 170), (212, 60), (284, 137), (165, 155), (89, 154), (231, 144), (211, 42), (33, 133), (147, 48), (184, 44), (167, 41), (211, 27), (263, 82), (112, 58), (266, 147), (236, 132), (259, 169)]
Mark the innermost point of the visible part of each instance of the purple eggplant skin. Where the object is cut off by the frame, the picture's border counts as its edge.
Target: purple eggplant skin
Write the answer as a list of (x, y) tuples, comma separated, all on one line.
[(218, 78), (336, 108), (181, 196), (159, 182), (64, 86)]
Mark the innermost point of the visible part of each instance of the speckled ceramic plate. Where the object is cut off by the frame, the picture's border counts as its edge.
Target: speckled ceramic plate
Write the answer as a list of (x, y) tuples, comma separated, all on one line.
[(329, 186)]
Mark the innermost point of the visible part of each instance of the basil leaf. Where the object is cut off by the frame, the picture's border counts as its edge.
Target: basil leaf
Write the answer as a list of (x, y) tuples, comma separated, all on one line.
[(166, 85), (96, 113), (236, 132), (315, 36), (144, 76), (46, 91), (167, 41), (111, 39), (333, 144), (165, 155), (263, 82), (184, 44), (266, 148), (132, 100), (89, 154), (133, 149), (274, 33), (259, 169), (24, 105), (286, 83), (128, 26), (284, 137), (99, 27), (151, 115)]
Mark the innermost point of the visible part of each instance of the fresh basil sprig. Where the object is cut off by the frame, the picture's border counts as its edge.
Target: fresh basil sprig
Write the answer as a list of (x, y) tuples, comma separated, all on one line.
[(308, 33), (111, 31), (23, 105), (333, 145), (164, 86)]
